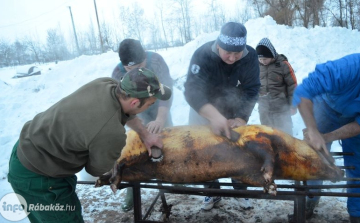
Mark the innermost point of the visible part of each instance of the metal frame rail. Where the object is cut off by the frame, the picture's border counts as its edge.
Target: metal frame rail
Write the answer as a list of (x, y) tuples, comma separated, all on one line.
[(296, 192)]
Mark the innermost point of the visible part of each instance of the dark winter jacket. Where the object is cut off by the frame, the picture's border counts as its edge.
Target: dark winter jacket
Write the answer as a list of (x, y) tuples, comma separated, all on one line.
[(156, 64), (232, 89), (278, 81)]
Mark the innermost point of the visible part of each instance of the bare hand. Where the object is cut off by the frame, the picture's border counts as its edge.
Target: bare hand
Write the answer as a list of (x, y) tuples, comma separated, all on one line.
[(151, 140), (220, 127), (155, 126), (316, 141), (237, 122)]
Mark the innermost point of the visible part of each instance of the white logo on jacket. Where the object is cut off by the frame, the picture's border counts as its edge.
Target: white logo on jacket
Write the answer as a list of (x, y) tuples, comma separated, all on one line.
[(238, 83), (195, 69)]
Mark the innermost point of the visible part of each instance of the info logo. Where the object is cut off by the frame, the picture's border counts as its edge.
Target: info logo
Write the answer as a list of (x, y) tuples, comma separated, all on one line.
[(13, 207)]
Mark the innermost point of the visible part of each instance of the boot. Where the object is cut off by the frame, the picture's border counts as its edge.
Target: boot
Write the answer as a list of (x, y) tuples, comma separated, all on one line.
[(128, 203), (310, 206), (354, 219)]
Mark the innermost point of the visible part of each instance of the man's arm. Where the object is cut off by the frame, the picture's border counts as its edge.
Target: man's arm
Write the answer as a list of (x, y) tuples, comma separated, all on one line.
[(347, 131), (159, 66), (314, 137), (148, 138), (219, 124), (158, 124)]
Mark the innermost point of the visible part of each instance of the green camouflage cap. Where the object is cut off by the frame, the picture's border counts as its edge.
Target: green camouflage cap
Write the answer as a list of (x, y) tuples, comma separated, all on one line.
[(142, 83)]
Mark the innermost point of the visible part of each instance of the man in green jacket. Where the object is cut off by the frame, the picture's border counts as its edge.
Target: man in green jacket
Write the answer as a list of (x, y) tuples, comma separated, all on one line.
[(84, 129)]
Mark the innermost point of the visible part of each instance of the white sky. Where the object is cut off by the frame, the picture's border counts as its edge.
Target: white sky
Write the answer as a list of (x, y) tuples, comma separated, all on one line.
[(34, 17), (21, 99), (19, 17)]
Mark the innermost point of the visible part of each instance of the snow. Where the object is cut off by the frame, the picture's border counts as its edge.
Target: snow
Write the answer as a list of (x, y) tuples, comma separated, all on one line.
[(21, 99)]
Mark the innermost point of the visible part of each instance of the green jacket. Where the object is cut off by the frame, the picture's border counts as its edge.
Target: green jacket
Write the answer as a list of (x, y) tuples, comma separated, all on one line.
[(84, 129)]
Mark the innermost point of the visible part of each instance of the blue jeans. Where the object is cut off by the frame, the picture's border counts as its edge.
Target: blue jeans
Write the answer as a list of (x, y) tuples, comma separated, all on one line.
[(328, 120)]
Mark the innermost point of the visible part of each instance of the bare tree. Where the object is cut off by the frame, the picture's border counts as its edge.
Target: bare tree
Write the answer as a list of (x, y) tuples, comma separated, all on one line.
[(260, 7), (34, 46), (345, 13), (173, 33), (352, 14), (92, 40), (133, 21), (282, 11), (155, 35), (56, 46), (20, 52), (244, 11), (183, 8), (216, 14), (309, 11), (124, 16), (108, 36), (160, 8), (336, 8), (83, 42), (6, 53), (136, 22)]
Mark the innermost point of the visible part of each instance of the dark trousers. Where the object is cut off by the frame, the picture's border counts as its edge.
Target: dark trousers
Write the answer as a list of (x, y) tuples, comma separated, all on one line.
[(48, 199), (328, 120)]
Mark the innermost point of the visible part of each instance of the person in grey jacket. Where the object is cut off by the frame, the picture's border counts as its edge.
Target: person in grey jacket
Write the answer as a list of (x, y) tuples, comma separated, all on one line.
[(132, 56), (278, 82)]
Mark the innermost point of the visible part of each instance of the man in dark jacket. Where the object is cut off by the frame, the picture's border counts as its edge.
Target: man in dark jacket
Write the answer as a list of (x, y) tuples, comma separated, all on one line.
[(84, 129), (222, 84)]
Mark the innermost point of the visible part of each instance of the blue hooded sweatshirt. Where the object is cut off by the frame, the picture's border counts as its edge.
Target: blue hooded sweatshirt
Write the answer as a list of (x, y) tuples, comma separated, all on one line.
[(338, 83)]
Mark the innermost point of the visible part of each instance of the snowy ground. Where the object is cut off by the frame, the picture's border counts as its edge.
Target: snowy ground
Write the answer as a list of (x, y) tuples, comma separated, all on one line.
[(21, 99), (186, 208)]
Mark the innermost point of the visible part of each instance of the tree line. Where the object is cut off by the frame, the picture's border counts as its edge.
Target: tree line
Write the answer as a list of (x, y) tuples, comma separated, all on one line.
[(174, 23)]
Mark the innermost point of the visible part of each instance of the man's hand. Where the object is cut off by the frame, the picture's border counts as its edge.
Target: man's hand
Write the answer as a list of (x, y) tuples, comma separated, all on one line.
[(237, 122), (293, 111), (147, 137), (315, 139), (219, 126), (151, 140), (155, 127)]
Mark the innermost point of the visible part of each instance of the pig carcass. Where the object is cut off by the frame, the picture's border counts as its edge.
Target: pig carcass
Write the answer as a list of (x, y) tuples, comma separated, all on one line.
[(260, 155)]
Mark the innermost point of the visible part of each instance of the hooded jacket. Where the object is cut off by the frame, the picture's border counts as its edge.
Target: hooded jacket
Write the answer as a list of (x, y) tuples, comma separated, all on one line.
[(278, 81), (337, 82)]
